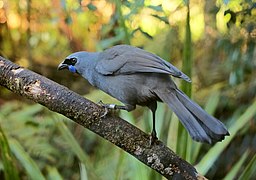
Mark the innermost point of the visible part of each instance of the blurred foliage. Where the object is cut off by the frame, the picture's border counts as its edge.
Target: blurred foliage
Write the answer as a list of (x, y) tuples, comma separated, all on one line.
[(219, 39)]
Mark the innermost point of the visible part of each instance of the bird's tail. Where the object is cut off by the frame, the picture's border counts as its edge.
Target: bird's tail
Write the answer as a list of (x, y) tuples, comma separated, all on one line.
[(201, 126)]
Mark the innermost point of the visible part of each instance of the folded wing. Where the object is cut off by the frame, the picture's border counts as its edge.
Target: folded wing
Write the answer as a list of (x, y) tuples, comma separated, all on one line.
[(124, 59)]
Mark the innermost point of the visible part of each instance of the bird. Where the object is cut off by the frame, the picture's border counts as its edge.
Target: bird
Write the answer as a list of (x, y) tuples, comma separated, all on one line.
[(138, 77)]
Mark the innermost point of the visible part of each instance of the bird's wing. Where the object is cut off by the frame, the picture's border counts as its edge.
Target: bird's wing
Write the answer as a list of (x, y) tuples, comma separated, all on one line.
[(123, 59)]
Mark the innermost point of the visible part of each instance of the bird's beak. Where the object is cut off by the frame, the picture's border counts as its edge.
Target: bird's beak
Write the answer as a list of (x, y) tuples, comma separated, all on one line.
[(62, 66)]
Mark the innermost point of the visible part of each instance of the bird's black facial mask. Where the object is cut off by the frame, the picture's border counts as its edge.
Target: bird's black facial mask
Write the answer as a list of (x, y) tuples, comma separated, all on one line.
[(69, 64)]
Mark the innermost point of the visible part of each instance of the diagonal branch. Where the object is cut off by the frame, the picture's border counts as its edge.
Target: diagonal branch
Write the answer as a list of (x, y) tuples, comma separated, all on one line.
[(84, 112)]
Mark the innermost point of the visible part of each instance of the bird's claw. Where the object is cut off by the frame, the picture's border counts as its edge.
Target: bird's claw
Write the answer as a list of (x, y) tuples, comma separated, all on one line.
[(106, 107), (100, 103), (105, 112), (153, 139)]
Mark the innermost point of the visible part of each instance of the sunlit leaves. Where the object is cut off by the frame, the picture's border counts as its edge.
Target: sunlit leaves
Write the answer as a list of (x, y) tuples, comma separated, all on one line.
[(223, 39)]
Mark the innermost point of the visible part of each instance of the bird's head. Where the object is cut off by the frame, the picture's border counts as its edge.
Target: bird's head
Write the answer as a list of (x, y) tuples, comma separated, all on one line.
[(72, 62), (81, 63)]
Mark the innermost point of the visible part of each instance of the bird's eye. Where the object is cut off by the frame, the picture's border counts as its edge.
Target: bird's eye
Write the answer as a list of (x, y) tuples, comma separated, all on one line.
[(73, 60)]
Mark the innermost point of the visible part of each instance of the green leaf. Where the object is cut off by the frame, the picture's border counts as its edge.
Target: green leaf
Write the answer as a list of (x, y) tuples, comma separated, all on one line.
[(156, 8), (74, 145), (10, 171), (172, 139), (250, 170), (121, 21), (53, 173), (83, 173), (145, 33), (161, 18), (234, 171), (111, 41), (26, 161), (72, 142), (27, 111), (183, 137), (213, 154)]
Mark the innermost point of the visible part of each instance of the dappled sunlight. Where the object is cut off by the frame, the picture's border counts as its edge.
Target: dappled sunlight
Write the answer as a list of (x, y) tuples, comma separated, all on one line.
[(220, 58), (13, 20), (170, 6), (197, 20), (221, 21), (148, 23), (23, 62)]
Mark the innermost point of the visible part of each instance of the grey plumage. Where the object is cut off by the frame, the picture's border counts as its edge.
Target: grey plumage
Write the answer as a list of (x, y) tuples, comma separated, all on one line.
[(137, 77)]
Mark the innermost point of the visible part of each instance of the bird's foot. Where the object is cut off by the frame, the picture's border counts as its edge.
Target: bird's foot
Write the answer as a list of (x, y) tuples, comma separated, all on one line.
[(107, 108), (105, 113), (153, 138)]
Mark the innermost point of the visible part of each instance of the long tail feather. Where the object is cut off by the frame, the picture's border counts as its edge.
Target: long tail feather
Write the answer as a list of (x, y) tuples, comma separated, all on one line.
[(201, 126)]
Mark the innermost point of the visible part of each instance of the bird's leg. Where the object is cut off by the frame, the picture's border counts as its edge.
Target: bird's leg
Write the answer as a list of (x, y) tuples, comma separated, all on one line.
[(114, 106), (127, 107), (153, 133), (153, 136)]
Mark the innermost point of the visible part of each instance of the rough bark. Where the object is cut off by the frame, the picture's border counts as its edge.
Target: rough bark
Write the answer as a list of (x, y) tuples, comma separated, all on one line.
[(88, 114)]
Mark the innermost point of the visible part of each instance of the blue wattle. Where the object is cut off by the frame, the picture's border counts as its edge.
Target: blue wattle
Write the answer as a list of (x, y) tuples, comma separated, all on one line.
[(72, 69)]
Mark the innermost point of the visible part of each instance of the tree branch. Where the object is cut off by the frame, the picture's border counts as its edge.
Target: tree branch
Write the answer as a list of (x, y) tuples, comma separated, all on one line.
[(88, 114)]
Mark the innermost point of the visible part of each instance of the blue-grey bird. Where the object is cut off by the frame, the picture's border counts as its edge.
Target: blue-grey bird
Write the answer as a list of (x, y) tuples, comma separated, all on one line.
[(137, 77)]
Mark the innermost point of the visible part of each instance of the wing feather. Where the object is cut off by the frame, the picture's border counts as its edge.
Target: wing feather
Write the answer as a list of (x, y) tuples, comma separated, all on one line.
[(124, 59)]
